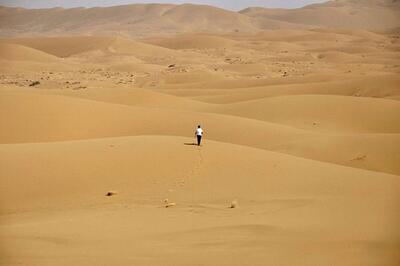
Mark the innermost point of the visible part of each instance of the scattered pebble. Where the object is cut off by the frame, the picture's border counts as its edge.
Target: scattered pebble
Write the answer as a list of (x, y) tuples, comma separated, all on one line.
[(111, 193), (34, 83), (169, 204), (234, 204)]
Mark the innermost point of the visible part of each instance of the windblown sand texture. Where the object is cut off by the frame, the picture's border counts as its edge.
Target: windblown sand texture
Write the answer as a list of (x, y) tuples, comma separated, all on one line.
[(300, 163)]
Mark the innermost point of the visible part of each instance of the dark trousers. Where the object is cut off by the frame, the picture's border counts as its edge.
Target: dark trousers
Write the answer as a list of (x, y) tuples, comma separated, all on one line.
[(198, 140)]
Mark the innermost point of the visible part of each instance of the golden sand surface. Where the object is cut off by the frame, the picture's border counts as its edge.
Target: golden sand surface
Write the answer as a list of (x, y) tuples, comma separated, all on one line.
[(300, 162)]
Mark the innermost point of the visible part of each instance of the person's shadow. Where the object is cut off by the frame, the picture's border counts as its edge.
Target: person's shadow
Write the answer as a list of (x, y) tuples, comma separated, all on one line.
[(191, 144)]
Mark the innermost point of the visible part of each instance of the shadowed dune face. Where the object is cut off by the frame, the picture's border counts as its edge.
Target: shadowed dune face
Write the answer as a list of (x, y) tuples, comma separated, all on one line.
[(98, 160)]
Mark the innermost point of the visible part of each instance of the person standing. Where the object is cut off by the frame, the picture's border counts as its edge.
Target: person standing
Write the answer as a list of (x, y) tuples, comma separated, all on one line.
[(199, 134)]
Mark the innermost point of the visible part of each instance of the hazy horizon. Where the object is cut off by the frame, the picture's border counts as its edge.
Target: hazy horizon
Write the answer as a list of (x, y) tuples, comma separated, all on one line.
[(226, 4)]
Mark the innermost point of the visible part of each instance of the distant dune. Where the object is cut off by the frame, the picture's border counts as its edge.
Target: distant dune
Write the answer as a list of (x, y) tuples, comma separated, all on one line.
[(23, 53), (349, 14), (151, 19)]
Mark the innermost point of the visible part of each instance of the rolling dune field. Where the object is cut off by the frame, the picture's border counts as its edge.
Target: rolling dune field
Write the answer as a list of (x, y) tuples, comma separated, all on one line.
[(300, 162)]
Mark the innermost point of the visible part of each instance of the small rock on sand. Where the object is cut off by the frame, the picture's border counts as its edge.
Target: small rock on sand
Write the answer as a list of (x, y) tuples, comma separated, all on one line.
[(111, 193), (34, 83), (234, 204), (169, 204)]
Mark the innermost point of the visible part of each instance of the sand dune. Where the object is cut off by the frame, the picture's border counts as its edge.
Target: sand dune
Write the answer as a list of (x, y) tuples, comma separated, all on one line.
[(64, 46), (300, 160), (367, 115), (21, 53), (137, 97), (134, 19), (70, 119), (375, 15), (136, 175), (143, 20), (68, 46), (374, 86), (201, 184), (192, 41)]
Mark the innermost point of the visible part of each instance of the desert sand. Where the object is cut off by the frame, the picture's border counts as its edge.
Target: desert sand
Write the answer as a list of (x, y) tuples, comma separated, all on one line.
[(300, 163)]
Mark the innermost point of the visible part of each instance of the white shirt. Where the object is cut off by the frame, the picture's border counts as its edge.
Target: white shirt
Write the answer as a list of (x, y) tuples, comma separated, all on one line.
[(199, 132)]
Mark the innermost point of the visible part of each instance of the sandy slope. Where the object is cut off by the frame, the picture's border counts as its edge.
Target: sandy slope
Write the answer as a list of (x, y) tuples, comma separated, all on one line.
[(68, 46), (284, 203), (385, 86), (332, 116), (18, 52), (71, 118), (301, 128)]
